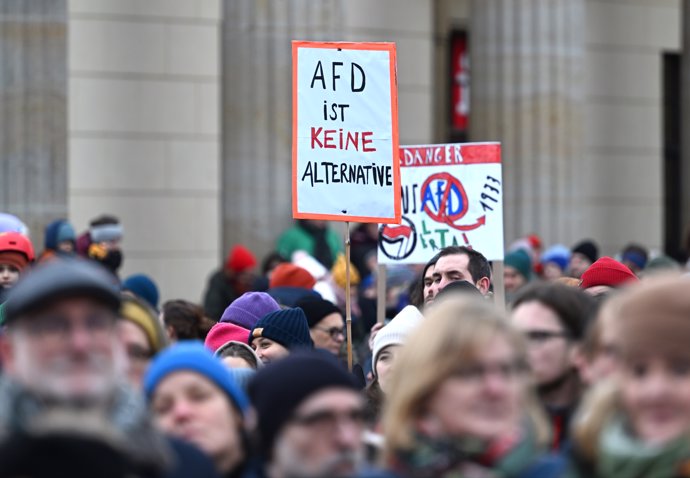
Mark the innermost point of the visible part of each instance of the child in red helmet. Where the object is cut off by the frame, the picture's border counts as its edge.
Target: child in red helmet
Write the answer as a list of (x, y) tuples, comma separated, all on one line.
[(16, 253)]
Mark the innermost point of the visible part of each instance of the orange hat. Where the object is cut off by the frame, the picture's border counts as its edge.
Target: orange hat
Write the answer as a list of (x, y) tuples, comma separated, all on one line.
[(290, 275), (240, 259)]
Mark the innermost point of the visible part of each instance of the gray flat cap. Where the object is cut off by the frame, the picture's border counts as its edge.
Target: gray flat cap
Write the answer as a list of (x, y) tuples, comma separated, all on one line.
[(60, 279)]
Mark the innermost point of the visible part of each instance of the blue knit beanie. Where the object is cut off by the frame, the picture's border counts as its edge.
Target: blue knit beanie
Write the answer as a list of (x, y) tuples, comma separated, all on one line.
[(194, 357), (143, 287), (58, 231), (558, 254), (288, 327)]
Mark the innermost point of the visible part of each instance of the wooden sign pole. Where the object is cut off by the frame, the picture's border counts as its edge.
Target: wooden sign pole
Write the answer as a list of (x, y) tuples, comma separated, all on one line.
[(381, 293), (499, 288), (348, 305)]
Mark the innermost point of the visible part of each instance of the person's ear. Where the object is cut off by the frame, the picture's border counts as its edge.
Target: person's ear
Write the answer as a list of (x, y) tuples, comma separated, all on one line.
[(170, 331), (581, 363), (483, 285)]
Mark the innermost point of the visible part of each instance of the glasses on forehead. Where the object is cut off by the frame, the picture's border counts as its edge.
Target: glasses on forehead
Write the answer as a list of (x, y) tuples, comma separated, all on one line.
[(61, 326), (334, 332), (328, 420)]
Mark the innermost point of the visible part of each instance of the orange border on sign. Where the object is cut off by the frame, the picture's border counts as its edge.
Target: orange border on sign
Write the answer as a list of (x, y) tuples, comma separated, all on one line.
[(377, 46)]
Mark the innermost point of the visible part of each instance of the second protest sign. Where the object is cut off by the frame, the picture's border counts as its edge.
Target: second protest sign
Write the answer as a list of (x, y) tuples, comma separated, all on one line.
[(452, 196)]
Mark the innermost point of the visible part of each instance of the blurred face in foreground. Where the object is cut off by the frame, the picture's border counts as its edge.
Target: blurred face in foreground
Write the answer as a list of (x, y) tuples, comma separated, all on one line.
[(550, 348), (189, 406), (68, 351), (323, 439), (655, 392), (139, 352), (602, 358), (482, 400)]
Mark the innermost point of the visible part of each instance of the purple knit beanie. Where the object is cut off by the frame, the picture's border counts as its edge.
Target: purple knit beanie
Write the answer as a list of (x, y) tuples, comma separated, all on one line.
[(248, 308)]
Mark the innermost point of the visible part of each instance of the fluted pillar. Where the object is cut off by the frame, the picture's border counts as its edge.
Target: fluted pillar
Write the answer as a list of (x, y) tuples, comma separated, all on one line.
[(527, 58), (257, 111), (33, 114), (683, 229)]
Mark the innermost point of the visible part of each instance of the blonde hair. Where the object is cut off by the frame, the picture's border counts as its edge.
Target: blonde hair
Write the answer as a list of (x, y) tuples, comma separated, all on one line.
[(598, 406), (453, 334)]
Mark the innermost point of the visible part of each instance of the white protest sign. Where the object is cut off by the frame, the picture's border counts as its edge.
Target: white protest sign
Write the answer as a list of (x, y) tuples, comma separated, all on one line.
[(452, 195), (345, 163)]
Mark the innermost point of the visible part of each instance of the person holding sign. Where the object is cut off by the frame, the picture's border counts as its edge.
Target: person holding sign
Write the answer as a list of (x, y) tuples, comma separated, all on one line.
[(313, 237), (345, 151)]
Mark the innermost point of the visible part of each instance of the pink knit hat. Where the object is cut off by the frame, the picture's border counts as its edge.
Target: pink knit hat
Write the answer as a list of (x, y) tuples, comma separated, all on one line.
[(224, 332)]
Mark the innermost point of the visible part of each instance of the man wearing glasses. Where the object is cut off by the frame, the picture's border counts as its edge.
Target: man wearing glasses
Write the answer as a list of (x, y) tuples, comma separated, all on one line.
[(554, 318), (310, 417), (326, 323)]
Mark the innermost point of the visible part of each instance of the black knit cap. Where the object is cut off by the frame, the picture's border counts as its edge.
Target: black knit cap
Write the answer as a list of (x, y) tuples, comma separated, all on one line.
[(288, 327), (317, 309), (278, 389), (61, 279), (588, 249)]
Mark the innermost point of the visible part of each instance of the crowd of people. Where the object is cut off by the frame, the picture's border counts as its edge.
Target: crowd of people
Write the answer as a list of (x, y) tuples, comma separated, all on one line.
[(585, 372)]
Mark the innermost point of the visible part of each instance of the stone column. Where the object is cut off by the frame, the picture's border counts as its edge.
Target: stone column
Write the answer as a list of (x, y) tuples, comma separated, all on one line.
[(33, 114), (684, 206), (527, 58), (257, 111)]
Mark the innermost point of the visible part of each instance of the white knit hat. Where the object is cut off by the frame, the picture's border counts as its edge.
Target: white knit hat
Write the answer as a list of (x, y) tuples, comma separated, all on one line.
[(396, 332)]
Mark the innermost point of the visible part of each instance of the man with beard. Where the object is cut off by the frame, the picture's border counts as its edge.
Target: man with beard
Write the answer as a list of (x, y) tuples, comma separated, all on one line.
[(310, 417), (553, 318), (63, 355)]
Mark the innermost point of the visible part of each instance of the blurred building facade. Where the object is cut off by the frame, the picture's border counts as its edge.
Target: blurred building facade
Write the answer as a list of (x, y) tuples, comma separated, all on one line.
[(177, 114)]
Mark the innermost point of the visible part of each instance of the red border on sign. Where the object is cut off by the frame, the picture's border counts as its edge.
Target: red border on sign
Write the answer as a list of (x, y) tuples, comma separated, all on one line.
[(377, 46), (444, 154)]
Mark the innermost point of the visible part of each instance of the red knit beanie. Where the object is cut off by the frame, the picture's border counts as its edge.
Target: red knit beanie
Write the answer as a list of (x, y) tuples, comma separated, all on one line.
[(607, 271), (240, 259), (290, 275)]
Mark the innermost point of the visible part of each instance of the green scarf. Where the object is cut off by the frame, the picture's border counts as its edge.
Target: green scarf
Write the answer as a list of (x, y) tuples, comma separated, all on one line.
[(460, 457), (624, 456)]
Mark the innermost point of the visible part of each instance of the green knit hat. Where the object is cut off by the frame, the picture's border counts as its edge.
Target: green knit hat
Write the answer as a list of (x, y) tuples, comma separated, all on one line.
[(520, 261)]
